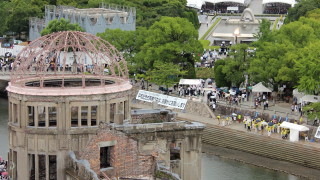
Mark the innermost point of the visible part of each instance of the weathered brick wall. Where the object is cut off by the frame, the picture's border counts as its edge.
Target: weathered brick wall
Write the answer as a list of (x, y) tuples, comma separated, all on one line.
[(125, 158), (157, 117)]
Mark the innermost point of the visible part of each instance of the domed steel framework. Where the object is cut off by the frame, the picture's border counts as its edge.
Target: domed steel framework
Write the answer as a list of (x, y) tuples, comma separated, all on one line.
[(69, 54)]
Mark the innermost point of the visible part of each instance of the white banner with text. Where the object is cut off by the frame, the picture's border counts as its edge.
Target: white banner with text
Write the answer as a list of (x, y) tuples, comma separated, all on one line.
[(162, 99)]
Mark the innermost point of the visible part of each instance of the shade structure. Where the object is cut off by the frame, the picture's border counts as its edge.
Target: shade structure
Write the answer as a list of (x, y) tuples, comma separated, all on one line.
[(190, 81), (311, 98), (297, 94), (291, 2), (195, 3), (220, 1), (260, 88), (294, 130), (198, 3)]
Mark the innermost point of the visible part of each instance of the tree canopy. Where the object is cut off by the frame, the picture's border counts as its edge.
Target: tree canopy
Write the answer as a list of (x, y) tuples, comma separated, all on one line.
[(60, 25), (301, 9), (171, 40)]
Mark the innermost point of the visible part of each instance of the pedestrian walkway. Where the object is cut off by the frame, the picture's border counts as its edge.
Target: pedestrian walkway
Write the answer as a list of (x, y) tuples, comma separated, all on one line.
[(256, 6), (205, 23)]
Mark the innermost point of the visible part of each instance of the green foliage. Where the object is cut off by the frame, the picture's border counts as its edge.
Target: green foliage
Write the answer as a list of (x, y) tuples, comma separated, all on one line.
[(275, 24), (171, 40), (19, 12), (60, 25), (204, 73), (312, 110), (314, 14), (301, 9), (236, 65), (205, 45), (264, 32), (3, 13), (219, 76), (165, 74), (307, 65), (210, 29), (289, 56), (127, 42)]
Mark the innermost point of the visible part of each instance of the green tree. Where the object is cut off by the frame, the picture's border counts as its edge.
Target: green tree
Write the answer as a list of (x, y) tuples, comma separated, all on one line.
[(19, 12), (3, 15), (127, 42), (312, 110), (204, 73), (165, 74), (314, 14), (301, 9), (60, 25), (236, 65), (264, 33), (219, 76), (307, 66), (171, 40)]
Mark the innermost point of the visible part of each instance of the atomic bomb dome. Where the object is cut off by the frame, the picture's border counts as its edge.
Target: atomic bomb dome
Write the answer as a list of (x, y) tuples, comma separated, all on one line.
[(63, 85), (69, 63)]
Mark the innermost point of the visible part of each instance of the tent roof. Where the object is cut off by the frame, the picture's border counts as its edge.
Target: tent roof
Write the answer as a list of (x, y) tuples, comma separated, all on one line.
[(219, 1), (294, 126), (311, 98), (190, 81), (291, 2), (198, 3), (195, 3), (297, 94), (260, 88)]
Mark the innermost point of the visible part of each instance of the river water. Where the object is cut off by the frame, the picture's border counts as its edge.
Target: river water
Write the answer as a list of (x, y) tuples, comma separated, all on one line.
[(213, 167), (4, 147)]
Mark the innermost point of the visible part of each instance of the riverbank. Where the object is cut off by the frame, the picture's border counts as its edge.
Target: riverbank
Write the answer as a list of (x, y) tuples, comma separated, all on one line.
[(281, 166)]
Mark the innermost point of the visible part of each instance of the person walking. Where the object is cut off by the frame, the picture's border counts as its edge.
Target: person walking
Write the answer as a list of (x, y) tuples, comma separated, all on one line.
[(218, 117)]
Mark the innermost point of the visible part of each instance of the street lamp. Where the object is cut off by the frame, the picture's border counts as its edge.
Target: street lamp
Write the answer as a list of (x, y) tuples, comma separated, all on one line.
[(236, 34)]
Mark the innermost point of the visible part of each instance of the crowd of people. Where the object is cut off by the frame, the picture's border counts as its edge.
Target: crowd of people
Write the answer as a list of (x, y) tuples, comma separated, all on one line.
[(222, 7), (6, 62), (276, 8), (3, 169)]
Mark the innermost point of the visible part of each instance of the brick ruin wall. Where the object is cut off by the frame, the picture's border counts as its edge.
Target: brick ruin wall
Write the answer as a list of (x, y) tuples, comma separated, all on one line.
[(159, 117), (125, 158)]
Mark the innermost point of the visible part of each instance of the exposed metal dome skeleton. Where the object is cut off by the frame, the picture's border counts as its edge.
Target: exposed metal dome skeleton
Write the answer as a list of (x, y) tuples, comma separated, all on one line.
[(69, 54)]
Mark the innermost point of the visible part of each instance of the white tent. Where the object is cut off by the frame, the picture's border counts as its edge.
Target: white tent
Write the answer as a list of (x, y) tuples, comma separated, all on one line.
[(219, 1), (291, 2), (297, 94), (190, 81), (195, 3), (198, 3), (260, 88), (310, 98), (294, 130)]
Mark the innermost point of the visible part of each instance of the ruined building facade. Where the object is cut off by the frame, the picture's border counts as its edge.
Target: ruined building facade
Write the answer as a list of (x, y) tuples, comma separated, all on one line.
[(77, 123), (92, 20)]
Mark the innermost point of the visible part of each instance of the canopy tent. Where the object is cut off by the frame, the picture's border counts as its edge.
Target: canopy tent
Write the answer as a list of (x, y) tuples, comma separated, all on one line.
[(291, 2), (260, 88), (294, 130), (297, 94), (198, 3), (190, 81), (310, 98), (220, 1), (195, 3)]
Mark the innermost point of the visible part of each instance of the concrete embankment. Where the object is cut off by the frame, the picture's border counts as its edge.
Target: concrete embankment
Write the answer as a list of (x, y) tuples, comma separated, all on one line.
[(260, 161), (300, 154)]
